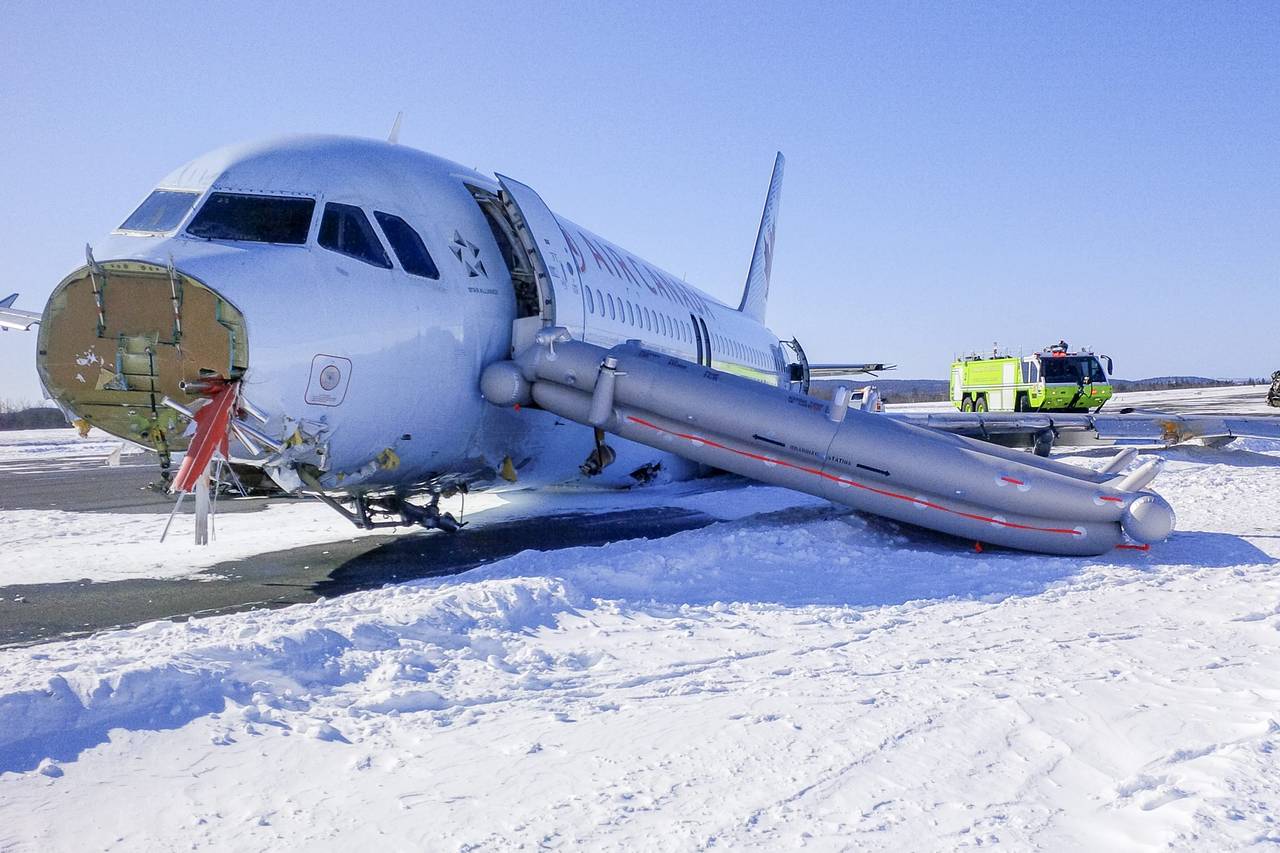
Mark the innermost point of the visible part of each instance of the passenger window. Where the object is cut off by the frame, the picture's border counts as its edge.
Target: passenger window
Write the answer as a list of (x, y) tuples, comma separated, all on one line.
[(408, 246), (591, 303), (346, 230), (631, 314), (253, 218), (612, 314), (600, 301)]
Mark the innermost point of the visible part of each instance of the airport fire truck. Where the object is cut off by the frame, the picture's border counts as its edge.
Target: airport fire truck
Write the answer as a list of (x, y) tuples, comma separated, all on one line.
[(1053, 380)]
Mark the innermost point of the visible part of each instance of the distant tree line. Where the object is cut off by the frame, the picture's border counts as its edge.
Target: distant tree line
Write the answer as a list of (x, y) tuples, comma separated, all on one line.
[(1162, 383), (23, 415)]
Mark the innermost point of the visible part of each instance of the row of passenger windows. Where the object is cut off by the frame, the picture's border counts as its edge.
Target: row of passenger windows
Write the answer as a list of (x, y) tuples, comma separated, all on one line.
[(344, 228), (639, 316), (749, 355)]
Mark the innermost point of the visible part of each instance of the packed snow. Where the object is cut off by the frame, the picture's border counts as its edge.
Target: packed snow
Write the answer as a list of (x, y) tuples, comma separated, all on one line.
[(794, 675), (32, 445)]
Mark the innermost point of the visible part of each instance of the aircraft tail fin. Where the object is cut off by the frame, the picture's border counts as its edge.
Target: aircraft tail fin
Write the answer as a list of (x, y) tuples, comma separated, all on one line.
[(8, 301), (755, 296)]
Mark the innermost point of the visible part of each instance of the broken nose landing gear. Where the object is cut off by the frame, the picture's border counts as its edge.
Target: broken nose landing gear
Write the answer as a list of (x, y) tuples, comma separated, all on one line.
[(399, 509), (428, 516)]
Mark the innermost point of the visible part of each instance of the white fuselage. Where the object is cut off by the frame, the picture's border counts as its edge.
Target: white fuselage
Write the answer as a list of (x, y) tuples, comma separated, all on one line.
[(408, 350)]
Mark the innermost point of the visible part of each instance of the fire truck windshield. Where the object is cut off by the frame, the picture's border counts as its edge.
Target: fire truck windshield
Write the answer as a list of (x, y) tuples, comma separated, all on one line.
[(1072, 369)]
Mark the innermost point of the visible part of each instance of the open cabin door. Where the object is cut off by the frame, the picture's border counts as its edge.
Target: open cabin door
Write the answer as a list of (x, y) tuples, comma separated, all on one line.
[(797, 364), (559, 290)]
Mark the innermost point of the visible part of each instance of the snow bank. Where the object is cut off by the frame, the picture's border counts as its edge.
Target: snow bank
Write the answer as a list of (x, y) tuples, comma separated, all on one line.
[(798, 677), (265, 663)]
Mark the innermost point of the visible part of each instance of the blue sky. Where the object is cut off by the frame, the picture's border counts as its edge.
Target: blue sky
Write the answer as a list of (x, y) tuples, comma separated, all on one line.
[(958, 173)]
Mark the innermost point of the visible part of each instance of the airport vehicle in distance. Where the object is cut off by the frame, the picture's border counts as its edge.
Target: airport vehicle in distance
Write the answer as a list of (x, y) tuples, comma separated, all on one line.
[(1273, 396), (1053, 380)]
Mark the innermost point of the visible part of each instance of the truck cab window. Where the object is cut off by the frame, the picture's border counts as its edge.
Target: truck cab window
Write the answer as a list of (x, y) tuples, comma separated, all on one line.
[(346, 230)]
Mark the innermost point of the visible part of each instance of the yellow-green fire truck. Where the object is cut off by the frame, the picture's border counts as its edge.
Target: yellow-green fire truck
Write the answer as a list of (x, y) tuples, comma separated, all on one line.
[(1053, 380)]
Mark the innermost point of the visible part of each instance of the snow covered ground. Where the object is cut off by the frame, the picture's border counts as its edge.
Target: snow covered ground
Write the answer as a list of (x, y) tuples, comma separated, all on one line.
[(793, 675), (33, 445)]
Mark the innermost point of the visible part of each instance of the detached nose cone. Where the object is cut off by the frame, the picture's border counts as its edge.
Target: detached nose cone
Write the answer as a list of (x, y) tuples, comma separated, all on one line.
[(118, 338), (1148, 519)]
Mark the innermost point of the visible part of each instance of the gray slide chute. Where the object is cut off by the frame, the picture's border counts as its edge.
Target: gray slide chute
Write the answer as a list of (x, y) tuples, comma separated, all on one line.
[(948, 483)]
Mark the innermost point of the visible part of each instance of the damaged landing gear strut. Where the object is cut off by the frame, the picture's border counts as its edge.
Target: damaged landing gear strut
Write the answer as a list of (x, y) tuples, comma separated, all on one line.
[(406, 514), (369, 513), (600, 458)]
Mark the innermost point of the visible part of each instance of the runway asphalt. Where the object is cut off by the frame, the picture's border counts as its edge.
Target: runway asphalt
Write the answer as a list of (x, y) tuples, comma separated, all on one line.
[(274, 579)]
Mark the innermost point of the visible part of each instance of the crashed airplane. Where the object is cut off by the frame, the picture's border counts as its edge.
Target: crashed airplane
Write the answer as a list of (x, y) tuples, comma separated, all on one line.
[(379, 327)]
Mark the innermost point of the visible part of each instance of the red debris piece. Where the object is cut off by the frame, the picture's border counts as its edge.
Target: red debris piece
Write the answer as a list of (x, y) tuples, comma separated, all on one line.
[(213, 420)]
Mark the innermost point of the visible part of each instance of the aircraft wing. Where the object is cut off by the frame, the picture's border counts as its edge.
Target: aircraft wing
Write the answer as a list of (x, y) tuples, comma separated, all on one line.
[(831, 371), (15, 318), (1123, 427)]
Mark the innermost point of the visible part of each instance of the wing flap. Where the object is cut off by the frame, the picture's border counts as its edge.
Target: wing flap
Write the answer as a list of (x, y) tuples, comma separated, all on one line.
[(832, 371)]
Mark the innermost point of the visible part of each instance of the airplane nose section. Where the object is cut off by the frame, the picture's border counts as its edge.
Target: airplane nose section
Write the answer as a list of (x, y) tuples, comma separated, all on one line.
[(119, 336)]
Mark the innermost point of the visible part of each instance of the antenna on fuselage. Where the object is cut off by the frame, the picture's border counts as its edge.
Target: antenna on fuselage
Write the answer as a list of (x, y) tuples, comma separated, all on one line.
[(394, 136)]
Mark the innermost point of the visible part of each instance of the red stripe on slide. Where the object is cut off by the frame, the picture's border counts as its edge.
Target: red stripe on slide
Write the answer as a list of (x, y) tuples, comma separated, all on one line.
[(1000, 522)]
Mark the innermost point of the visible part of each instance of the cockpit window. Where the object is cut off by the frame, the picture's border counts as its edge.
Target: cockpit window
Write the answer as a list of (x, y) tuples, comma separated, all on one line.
[(161, 211), (256, 218), (346, 230), (407, 245)]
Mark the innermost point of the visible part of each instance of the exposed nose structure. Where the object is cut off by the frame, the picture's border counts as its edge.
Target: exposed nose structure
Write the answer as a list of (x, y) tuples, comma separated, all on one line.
[(117, 337)]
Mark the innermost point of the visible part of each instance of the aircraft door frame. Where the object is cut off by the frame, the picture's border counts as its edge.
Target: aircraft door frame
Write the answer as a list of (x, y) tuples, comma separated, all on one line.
[(556, 274)]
